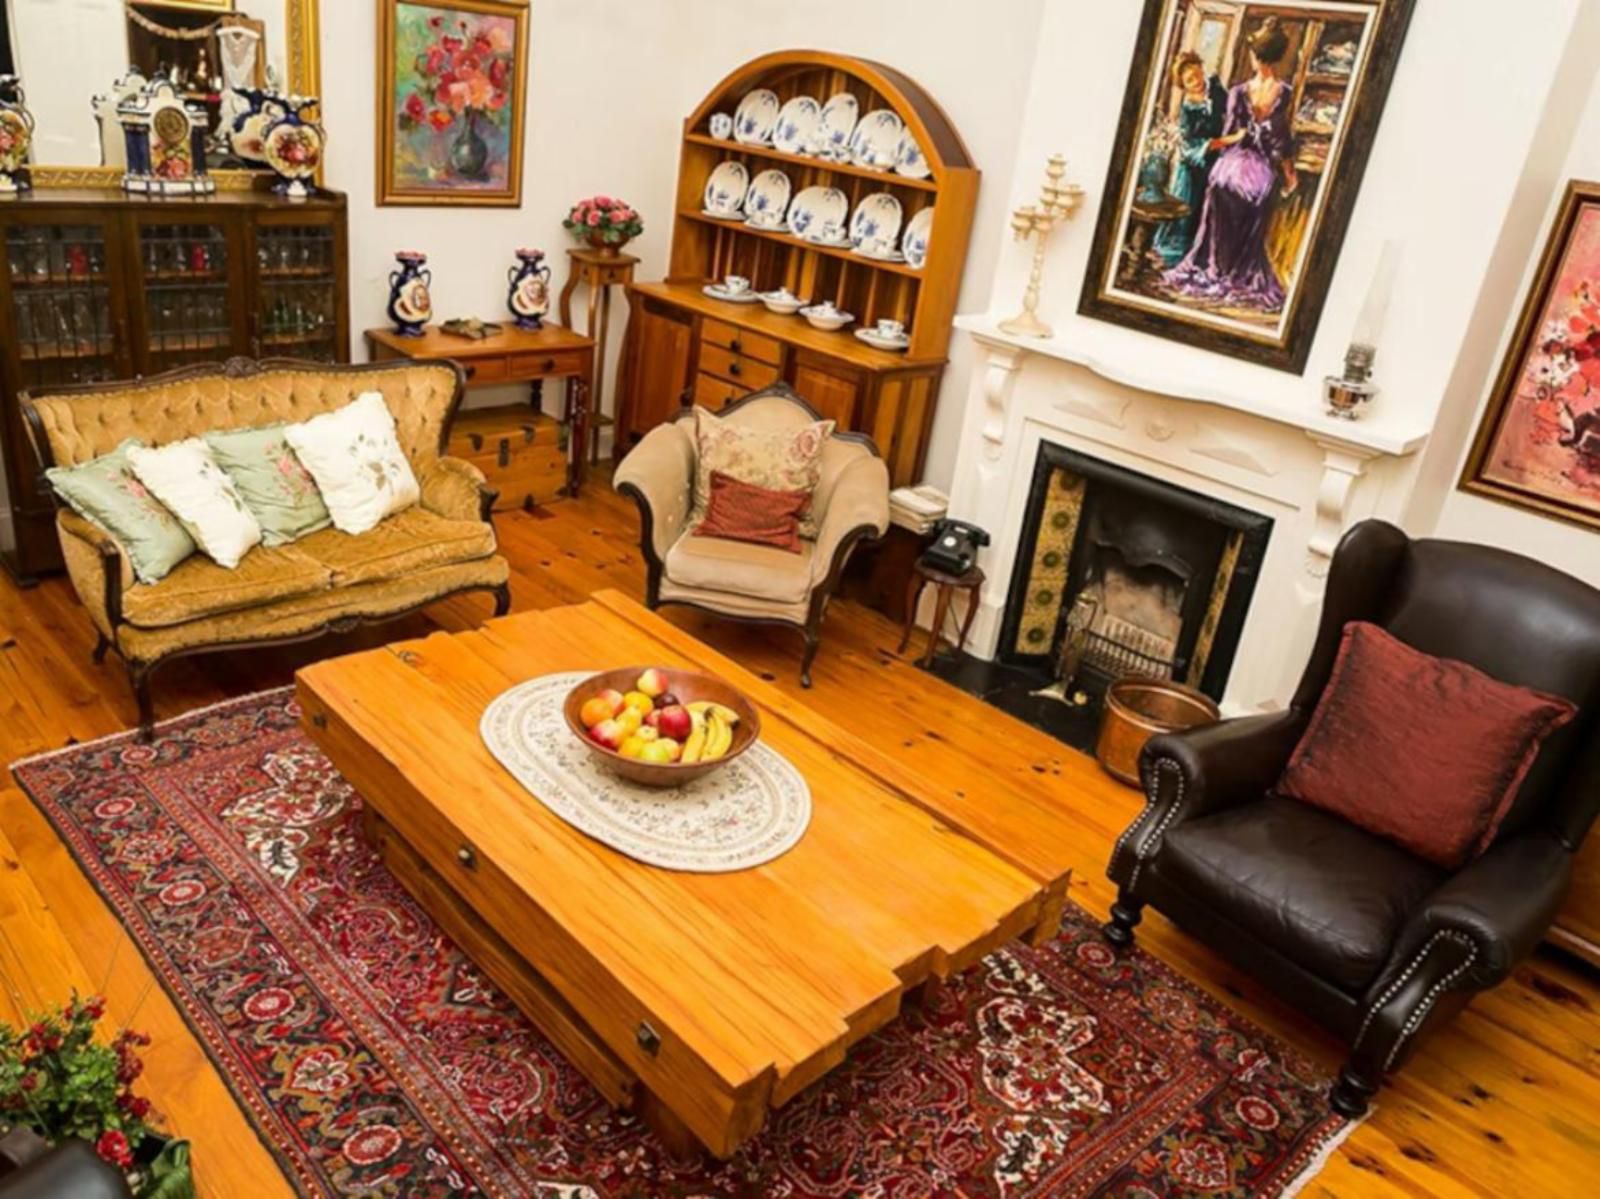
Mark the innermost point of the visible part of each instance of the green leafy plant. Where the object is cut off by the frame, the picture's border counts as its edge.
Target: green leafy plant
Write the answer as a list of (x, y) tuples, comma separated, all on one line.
[(59, 1081)]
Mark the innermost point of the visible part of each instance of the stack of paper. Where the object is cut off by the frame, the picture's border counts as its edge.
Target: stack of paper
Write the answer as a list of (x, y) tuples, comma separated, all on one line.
[(918, 508)]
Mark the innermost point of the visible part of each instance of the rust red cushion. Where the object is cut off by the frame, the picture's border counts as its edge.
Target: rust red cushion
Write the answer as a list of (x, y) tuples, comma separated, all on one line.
[(1427, 752), (741, 511)]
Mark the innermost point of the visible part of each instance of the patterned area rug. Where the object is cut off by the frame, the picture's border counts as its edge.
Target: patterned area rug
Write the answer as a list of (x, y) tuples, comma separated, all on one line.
[(374, 1059)]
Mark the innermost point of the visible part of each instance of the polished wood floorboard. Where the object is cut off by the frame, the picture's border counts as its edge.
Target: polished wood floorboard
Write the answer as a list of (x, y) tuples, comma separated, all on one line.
[(1506, 1101)]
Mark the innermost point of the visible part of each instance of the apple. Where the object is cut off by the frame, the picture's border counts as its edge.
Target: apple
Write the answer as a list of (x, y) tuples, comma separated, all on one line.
[(633, 747), (664, 750), (669, 700), (600, 707), (653, 682), (653, 719), (610, 733), (638, 701), (629, 719), (646, 733), (674, 722)]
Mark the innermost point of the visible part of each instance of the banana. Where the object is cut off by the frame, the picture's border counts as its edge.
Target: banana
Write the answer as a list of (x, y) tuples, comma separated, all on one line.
[(694, 747), (729, 716), (718, 738), (703, 707)]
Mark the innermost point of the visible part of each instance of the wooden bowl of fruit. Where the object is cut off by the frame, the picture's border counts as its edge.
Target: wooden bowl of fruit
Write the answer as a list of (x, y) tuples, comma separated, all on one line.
[(659, 727)]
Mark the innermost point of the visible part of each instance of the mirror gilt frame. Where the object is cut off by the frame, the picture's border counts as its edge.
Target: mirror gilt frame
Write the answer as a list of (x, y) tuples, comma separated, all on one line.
[(305, 79)]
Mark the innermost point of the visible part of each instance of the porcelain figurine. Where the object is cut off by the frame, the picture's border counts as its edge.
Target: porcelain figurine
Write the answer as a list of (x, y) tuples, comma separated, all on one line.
[(529, 297), (410, 303), (16, 137), (165, 140), (292, 146)]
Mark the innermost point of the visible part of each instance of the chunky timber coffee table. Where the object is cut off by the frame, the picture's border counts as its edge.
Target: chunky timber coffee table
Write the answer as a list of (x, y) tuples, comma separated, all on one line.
[(701, 1001)]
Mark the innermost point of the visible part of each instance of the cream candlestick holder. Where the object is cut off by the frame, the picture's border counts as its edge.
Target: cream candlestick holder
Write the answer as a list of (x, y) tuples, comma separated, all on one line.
[(1057, 203)]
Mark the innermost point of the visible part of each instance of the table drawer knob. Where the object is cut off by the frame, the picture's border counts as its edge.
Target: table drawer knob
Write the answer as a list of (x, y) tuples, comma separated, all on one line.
[(319, 721), (649, 1039), (549, 364), (467, 857), (733, 369), (470, 371), (734, 345)]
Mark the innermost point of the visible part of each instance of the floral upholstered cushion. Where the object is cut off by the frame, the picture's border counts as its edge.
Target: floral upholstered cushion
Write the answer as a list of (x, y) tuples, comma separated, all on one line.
[(355, 457), (777, 459), (106, 492), (197, 491), (277, 489)]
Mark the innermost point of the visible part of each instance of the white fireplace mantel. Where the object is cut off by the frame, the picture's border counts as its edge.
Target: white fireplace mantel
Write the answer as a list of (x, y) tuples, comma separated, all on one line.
[(1314, 475)]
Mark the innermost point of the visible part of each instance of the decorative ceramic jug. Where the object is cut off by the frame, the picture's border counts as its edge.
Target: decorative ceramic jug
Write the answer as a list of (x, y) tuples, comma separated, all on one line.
[(410, 304), (529, 297), (16, 137), (292, 146)]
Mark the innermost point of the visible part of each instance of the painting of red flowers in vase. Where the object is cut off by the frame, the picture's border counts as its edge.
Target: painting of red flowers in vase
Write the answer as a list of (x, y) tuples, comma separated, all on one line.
[(451, 99), (1539, 444)]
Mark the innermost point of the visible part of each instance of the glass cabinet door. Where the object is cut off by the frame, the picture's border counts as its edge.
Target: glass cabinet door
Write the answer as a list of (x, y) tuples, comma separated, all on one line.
[(61, 304), (183, 275), (297, 292)]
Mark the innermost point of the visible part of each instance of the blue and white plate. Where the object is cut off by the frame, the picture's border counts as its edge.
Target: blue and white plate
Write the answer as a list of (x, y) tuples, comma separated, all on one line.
[(767, 201), (724, 194), (909, 160), (797, 123), (875, 227), (756, 117), (876, 139), (914, 242), (818, 214), (835, 124)]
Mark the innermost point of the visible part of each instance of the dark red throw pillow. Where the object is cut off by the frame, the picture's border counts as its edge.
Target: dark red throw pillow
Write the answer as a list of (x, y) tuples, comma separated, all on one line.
[(1427, 752), (744, 512)]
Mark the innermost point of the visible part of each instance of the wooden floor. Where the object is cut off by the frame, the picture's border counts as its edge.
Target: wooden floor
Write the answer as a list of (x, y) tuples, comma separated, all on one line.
[(1506, 1101)]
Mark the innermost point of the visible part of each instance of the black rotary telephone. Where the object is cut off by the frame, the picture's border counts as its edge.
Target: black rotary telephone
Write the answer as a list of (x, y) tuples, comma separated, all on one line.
[(955, 547)]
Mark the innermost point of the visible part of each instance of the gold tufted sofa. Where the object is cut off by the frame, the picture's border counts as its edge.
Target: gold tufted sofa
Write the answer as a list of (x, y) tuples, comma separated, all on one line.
[(326, 582)]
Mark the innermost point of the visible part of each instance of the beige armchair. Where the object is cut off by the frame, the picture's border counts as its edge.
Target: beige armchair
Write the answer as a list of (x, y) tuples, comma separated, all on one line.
[(754, 583)]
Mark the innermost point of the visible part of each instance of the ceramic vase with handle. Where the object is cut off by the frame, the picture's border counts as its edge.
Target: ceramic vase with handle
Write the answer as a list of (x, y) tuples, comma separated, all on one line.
[(292, 146), (16, 137), (410, 302), (529, 297)]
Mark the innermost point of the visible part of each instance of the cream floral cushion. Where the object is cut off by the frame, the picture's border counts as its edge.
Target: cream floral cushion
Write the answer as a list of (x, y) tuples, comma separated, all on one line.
[(777, 459), (355, 457), (200, 494)]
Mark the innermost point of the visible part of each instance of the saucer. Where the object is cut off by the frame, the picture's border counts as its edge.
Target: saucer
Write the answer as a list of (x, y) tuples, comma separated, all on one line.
[(879, 342), (735, 217), (784, 305), (717, 292), (891, 256)]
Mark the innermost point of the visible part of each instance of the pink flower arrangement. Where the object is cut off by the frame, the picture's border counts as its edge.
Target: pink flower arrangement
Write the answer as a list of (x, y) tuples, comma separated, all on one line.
[(604, 219)]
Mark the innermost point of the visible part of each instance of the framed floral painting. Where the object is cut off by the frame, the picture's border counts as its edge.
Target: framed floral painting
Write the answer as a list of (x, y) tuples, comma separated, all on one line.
[(452, 90), (1244, 134), (1539, 443)]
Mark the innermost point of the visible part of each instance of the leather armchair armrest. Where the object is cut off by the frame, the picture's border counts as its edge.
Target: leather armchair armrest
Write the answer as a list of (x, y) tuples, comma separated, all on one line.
[(858, 507), (456, 490), (1203, 770), (659, 475), (99, 569)]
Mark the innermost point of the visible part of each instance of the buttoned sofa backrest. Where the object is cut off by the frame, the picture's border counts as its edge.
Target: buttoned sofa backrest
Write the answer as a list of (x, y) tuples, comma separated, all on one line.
[(74, 425)]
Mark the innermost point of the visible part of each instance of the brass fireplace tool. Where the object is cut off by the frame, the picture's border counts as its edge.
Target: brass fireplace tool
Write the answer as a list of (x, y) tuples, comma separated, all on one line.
[(1057, 203)]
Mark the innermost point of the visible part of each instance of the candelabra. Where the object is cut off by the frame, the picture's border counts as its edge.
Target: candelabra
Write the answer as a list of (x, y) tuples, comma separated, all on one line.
[(1057, 203)]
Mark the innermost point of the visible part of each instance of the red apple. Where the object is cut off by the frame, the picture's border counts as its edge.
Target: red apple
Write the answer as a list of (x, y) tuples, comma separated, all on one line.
[(653, 682), (668, 700), (653, 718), (674, 722), (610, 733)]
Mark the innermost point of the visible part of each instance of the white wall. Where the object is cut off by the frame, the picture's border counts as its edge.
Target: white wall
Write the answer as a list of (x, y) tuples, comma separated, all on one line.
[(610, 82)]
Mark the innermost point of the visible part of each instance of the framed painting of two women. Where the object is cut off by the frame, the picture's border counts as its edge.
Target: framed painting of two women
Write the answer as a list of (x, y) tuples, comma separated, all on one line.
[(1244, 134)]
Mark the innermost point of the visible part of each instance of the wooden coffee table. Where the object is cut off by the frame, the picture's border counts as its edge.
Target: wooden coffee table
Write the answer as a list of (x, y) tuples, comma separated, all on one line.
[(700, 1001)]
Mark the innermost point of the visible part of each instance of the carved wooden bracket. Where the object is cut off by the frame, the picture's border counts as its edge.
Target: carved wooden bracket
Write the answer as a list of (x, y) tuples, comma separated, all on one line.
[(999, 375), (1342, 464)]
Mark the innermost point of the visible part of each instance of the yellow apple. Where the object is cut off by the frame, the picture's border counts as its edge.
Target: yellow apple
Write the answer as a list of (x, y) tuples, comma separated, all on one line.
[(639, 702)]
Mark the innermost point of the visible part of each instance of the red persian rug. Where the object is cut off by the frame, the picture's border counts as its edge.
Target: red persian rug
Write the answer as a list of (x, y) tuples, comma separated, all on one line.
[(374, 1059)]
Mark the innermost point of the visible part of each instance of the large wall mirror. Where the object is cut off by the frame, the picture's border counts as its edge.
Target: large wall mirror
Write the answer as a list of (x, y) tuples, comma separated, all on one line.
[(70, 51)]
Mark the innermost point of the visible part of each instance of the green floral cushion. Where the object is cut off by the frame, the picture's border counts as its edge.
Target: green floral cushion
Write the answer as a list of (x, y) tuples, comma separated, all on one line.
[(277, 489), (107, 493)]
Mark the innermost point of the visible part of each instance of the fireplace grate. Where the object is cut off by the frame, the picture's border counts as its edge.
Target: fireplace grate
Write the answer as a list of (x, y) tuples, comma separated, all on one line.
[(1119, 648)]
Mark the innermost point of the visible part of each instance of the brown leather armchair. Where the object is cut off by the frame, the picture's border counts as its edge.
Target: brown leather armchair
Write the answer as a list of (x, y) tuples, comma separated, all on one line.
[(1377, 945)]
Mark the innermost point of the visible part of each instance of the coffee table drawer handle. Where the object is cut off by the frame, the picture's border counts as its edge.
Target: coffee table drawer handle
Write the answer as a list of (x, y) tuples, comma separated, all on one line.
[(467, 858), (649, 1039)]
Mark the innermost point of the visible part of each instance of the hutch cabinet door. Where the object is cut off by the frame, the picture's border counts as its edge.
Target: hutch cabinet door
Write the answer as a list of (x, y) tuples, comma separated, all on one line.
[(831, 388), (658, 373), (190, 294), (62, 320), (299, 280)]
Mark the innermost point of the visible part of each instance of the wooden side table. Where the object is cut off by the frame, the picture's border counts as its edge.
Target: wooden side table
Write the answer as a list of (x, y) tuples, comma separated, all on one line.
[(948, 585), (514, 356), (599, 271)]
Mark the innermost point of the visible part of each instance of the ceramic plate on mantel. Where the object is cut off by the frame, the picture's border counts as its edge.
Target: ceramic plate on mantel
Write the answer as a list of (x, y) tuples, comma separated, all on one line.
[(914, 242), (835, 124), (875, 227), (756, 117), (725, 189), (818, 214), (797, 124), (876, 139), (767, 201)]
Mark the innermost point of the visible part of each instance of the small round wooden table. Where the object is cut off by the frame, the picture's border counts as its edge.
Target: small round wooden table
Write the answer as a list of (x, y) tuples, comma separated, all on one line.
[(948, 584)]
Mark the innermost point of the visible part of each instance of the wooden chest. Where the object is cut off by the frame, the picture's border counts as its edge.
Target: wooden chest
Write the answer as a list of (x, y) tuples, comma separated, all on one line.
[(522, 452)]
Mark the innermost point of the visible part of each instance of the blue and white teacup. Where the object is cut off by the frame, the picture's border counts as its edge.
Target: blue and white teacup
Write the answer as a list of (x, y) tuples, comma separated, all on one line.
[(890, 329), (721, 126), (735, 285)]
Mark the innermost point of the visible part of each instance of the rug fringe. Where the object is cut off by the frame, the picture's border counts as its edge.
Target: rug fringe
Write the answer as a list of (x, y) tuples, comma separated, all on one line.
[(76, 746), (1319, 1160)]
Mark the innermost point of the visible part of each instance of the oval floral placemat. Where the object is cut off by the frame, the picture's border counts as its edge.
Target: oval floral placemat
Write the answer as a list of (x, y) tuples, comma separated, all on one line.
[(749, 812)]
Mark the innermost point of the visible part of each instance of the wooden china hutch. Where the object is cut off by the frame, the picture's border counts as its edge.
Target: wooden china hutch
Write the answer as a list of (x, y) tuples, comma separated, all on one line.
[(98, 285), (684, 347)]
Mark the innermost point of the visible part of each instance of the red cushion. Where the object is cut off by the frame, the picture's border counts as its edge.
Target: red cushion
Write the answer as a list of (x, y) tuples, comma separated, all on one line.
[(741, 511), (1425, 751)]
